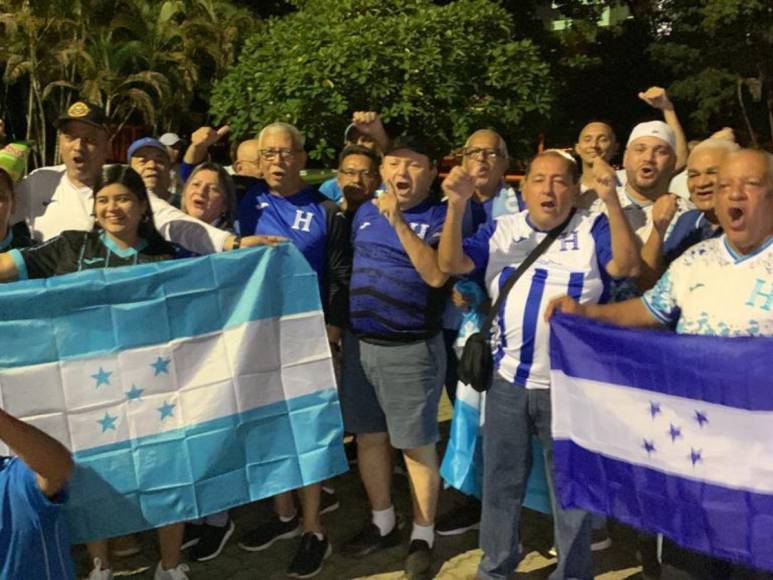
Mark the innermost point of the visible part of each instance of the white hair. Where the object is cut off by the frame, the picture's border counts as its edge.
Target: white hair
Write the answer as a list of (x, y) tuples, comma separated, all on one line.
[(279, 127), (502, 145), (724, 145)]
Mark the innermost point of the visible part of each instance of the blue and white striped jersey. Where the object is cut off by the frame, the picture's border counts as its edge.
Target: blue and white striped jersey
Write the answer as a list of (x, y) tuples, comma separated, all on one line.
[(574, 264)]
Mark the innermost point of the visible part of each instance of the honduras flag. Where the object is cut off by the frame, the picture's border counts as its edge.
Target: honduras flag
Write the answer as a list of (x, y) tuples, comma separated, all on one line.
[(668, 433), (182, 388)]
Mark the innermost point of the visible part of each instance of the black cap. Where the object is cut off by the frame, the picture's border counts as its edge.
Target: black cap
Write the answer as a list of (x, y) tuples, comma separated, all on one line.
[(84, 112), (412, 143)]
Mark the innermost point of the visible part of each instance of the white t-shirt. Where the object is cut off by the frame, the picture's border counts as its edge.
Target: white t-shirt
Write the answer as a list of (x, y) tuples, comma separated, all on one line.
[(50, 203), (711, 290), (574, 264)]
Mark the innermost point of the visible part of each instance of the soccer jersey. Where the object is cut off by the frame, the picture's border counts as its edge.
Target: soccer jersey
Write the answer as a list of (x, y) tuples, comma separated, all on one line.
[(574, 264), (712, 290), (691, 227), (34, 544), (316, 226), (76, 251), (389, 301)]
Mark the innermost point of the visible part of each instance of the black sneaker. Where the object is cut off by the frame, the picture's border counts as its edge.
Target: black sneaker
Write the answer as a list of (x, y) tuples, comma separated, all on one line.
[(192, 535), (329, 502), (310, 557), (266, 534), (419, 560), (212, 542), (370, 540), (462, 519)]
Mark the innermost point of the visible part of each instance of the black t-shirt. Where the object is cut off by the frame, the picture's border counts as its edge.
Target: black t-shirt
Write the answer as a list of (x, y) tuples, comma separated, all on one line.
[(18, 237), (73, 251)]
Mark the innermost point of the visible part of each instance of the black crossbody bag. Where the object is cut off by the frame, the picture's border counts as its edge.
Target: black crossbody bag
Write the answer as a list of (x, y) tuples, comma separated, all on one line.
[(476, 366)]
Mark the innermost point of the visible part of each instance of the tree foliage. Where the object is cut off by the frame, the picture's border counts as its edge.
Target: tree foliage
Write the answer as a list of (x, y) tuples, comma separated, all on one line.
[(140, 59), (439, 70)]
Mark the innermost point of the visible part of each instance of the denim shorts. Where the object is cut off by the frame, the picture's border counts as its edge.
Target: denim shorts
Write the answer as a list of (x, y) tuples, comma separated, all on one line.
[(394, 389)]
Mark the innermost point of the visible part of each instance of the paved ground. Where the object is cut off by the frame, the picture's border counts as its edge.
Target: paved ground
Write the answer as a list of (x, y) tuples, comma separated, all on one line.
[(455, 558)]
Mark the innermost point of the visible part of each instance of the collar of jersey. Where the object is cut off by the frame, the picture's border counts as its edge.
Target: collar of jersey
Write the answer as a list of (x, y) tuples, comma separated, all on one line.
[(6, 242), (122, 252), (420, 207), (738, 258), (634, 202), (532, 226)]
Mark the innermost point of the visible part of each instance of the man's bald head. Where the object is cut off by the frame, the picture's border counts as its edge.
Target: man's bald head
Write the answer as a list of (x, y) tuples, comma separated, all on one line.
[(485, 158), (247, 154), (744, 198), (597, 139)]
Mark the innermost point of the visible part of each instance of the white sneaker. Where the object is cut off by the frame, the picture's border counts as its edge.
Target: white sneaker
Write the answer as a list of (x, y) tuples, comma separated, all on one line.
[(98, 573), (178, 573)]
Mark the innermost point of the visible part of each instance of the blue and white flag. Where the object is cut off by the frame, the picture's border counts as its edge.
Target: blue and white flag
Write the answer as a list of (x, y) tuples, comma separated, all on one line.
[(669, 433), (182, 388)]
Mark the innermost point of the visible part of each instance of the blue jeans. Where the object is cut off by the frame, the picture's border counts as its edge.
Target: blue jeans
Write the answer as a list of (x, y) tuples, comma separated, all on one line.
[(513, 413)]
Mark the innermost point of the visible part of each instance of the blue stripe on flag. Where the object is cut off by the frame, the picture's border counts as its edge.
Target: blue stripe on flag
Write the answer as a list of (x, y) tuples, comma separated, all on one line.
[(727, 523), (120, 308), (530, 318), (735, 372), (182, 474)]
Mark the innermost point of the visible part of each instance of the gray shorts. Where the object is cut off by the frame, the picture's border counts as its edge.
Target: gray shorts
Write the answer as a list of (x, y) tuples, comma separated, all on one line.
[(396, 389)]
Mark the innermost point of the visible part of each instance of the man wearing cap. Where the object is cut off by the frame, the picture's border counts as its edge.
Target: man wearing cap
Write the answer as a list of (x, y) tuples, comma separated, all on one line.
[(396, 306), (174, 146), (365, 130), (150, 158), (54, 199)]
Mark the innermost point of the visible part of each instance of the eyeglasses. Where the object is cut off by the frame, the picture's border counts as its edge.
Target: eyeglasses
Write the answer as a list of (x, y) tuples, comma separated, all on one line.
[(352, 173), (284, 153), (482, 154)]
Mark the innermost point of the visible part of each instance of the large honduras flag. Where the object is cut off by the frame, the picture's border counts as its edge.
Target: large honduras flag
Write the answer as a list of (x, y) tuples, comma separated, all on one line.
[(668, 433), (182, 388)]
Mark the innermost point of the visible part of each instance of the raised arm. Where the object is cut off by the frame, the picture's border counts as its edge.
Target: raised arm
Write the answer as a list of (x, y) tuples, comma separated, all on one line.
[(653, 263), (658, 98), (422, 256), (201, 140), (625, 260), (458, 187), (48, 458), (369, 123)]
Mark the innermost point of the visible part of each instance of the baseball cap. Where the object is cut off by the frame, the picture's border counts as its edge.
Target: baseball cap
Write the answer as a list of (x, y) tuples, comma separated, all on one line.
[(145, 142), (85, 112), (169, 139), (13, 159), (413, 143), (654, 129)]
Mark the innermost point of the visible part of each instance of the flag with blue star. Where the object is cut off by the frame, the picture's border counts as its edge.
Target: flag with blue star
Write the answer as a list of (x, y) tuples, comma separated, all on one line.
[(150, 375), (672, 435)]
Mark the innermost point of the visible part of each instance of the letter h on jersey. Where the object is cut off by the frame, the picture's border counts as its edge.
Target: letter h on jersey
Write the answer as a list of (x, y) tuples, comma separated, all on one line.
[(302, 220), (570, 241), (767, 297)]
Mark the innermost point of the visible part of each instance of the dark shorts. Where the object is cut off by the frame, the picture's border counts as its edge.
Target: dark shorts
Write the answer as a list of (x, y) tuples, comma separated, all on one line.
[(393, 389)]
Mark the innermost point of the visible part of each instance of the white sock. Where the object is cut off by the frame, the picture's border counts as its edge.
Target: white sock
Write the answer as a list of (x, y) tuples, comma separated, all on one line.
[(384, 520), (284, 519), (426, 533)]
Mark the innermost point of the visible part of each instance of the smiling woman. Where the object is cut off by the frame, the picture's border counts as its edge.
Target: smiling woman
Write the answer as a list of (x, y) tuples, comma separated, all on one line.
[(123, 234)]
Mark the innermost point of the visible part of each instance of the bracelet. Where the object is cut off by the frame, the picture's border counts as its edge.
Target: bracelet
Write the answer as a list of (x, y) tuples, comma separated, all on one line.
[(237, 243)]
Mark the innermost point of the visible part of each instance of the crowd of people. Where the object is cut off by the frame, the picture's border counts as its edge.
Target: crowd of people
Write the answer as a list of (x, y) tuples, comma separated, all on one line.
[(394, 255)]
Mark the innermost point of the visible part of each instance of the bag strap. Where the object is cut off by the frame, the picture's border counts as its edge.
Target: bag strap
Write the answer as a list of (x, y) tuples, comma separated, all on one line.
[(530, 259)]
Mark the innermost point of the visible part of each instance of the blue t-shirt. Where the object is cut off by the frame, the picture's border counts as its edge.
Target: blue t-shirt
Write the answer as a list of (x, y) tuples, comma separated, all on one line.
[(34, 544), (691, 227), (316, 226), (300, 217), (389, 301)]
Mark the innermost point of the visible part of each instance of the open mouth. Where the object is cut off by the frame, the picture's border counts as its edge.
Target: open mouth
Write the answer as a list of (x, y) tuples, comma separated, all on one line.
[(78, 160), (199, 204), (736, 215), (403, 186), (277, 174), (548, 205), (647, 172)]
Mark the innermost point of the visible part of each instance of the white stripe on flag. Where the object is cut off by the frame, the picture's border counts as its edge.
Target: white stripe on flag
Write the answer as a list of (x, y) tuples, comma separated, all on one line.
[(110, 398), (722, 445)]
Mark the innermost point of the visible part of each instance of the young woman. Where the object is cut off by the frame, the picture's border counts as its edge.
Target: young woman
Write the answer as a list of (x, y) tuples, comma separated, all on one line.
[(124, 234)]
